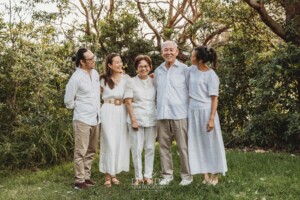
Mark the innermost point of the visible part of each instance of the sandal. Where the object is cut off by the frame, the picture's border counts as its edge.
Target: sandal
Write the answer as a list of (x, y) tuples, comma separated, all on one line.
[(214, 182), (138, 182), (148, 181), (115, 181), (107, 182)]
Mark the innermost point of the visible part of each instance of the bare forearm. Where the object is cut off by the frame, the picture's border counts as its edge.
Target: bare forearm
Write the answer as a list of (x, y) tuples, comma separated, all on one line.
[(214, 106), (130, 110)]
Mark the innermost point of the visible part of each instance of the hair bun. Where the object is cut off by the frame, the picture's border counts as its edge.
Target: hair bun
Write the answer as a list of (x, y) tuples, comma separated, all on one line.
[(73, 58)]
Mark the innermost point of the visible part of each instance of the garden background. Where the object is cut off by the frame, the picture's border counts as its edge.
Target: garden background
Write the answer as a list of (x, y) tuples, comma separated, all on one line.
[(259, 68)]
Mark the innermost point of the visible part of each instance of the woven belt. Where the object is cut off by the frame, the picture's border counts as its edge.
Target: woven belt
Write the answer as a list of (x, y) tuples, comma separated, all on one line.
[(117, 102)]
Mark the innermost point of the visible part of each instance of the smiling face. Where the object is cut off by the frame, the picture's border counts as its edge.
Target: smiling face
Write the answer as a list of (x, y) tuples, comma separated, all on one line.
[(169, 52), (143, 68), (88, 62), (116, 65)]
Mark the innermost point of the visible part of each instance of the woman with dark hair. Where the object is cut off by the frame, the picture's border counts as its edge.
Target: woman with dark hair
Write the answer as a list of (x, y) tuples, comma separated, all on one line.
[(114, 147), (140, 102), (205, 142)]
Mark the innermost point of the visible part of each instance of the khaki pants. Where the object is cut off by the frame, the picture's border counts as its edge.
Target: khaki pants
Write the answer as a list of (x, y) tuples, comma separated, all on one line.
[(86, 143), (166, 129)]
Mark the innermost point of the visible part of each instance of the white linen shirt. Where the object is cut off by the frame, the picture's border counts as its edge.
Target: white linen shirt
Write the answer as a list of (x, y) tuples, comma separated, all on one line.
[(172, 91), (83, 95), (143, 94)]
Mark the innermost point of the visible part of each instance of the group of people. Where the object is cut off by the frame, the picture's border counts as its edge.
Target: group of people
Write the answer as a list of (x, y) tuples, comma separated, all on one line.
[(177, 102)]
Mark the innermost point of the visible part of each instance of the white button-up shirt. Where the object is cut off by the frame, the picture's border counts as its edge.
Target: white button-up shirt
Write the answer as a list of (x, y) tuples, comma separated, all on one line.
[(83, 95), (172, 91), (143, 94)]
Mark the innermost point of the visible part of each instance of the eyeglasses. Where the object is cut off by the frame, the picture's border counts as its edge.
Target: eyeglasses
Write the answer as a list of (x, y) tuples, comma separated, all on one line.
[(94, 59), (143, 66)]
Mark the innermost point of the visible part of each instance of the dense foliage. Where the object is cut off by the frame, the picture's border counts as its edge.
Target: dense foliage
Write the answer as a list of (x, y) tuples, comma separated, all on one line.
[(259, 73)]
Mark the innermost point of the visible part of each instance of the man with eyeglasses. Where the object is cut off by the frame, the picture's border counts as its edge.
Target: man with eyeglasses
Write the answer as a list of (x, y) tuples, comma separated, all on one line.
[(83, 95)]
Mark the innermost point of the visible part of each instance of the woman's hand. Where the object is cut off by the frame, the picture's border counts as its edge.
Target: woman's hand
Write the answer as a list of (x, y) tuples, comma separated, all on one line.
[(135, 125), (210, 125)]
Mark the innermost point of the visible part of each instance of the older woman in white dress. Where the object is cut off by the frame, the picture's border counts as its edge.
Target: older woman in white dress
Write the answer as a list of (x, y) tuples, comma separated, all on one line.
[(205, 143), (140, 101), (114, 147)]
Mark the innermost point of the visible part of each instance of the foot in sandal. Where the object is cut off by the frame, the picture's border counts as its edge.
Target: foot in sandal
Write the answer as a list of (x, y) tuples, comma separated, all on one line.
[(107, 182), (114, 180)]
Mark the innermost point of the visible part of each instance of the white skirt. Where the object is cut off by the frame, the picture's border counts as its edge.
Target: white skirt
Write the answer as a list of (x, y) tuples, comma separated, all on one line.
[(206, 149), (114, 142)]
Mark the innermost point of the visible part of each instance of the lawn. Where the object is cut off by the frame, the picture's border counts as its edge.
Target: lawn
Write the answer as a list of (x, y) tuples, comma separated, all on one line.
[(251, 176)]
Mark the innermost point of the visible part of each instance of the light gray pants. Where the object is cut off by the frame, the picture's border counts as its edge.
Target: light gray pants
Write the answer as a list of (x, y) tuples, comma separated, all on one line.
[(144, 138)]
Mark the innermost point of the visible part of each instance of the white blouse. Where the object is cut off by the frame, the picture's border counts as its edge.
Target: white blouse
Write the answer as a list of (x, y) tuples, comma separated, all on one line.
[(117, 92), (203, 85), (143, 94)]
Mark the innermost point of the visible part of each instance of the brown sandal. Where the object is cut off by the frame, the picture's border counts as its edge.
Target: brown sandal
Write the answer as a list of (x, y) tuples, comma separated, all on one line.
[(115, 181), (138, 182), (148, 181), (107, 182)]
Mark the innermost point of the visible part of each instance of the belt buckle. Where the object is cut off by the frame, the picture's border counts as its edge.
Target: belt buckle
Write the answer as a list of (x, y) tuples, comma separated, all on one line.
[(118, 102)]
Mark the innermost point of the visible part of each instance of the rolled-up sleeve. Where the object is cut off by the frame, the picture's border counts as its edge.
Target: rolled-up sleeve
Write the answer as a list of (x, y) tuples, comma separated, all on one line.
[(70, 94), (213, 86)]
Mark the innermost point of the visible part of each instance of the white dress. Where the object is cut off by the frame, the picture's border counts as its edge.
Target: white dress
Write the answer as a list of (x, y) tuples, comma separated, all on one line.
[(114, 142), (206, 149)]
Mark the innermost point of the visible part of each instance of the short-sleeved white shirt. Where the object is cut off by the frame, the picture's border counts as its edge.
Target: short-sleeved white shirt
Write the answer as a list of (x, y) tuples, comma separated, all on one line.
[(143, 94), (203, 85)]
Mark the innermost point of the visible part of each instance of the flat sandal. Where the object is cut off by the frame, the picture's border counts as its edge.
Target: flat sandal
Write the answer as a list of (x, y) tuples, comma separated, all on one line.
[(107, 182), (115, 181)]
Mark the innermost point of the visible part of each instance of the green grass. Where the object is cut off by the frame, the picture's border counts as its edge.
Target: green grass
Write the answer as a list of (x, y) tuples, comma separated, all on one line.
[(250, 176)]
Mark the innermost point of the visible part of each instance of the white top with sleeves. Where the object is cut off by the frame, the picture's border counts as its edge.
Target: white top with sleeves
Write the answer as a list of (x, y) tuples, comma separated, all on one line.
[(172, 91), (143, 94), (116, 92), (203, 85), (83, 95)]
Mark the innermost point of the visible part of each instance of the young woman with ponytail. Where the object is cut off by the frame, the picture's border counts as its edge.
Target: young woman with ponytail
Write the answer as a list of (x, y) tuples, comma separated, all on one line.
[(205, 142), (114, 147)]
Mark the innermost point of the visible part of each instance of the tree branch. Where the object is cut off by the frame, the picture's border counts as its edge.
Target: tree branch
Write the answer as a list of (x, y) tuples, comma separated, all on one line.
[(266, 18), (213, 34), (87, 18), (142, 14)]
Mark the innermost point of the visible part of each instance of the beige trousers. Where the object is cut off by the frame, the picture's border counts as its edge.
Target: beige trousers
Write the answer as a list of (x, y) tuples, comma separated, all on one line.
[(167, 129), (86, 143)]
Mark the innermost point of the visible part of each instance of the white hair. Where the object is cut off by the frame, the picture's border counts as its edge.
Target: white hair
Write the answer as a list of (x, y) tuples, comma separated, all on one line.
[(168, 42)]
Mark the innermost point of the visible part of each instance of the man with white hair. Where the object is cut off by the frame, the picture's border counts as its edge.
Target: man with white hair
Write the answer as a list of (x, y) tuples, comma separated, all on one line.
[(171, 79)]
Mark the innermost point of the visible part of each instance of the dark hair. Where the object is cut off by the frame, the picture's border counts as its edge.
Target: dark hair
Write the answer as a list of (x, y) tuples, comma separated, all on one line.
[(79, 56), (108, 71), (139, 58), (205, 54)]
